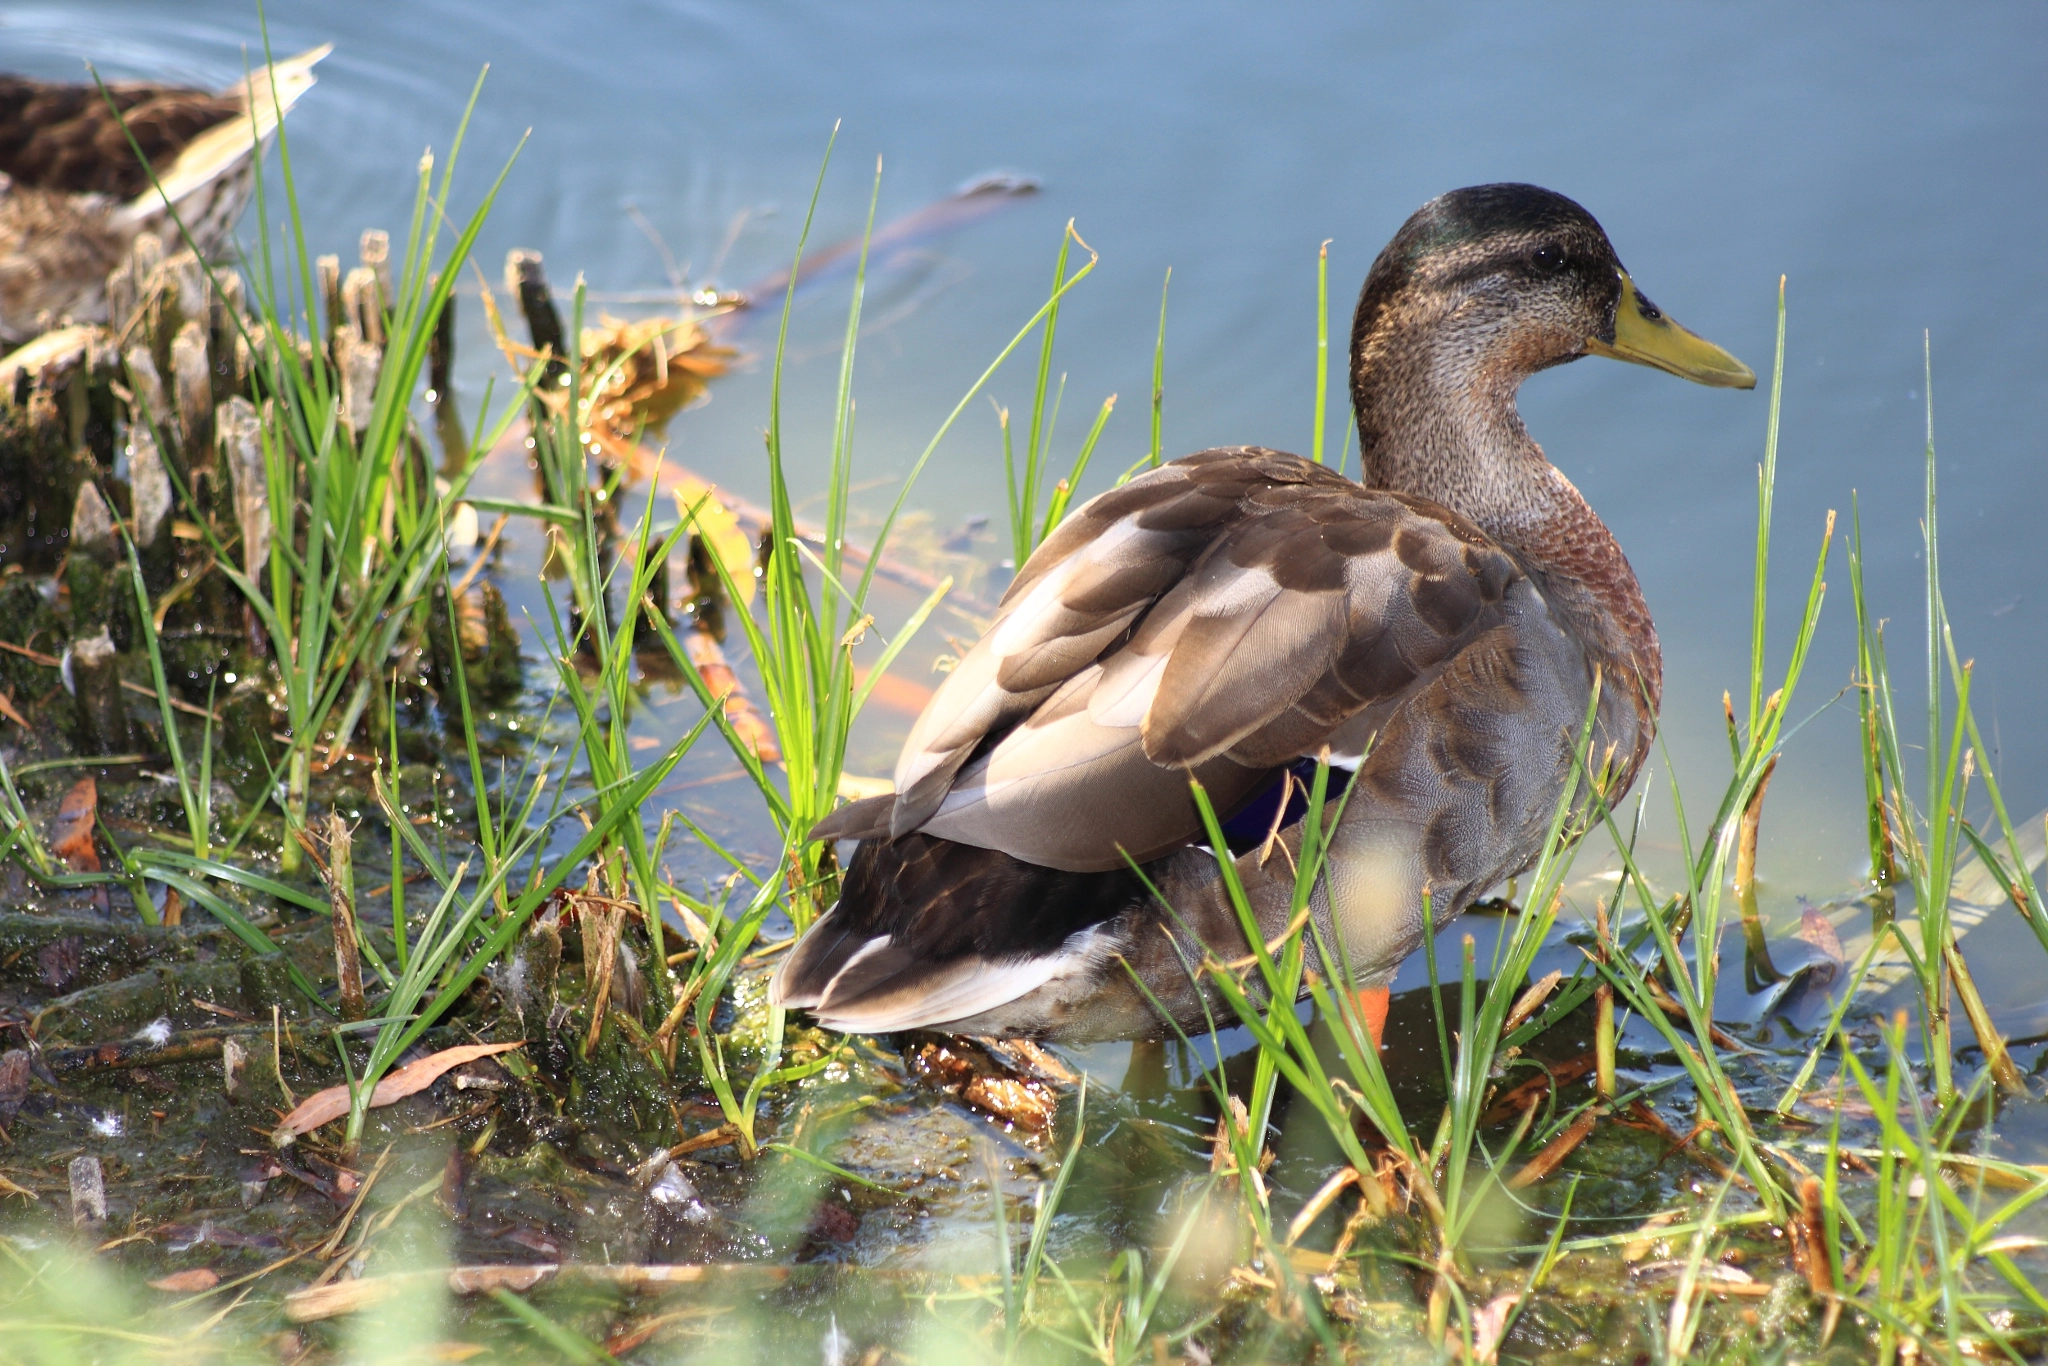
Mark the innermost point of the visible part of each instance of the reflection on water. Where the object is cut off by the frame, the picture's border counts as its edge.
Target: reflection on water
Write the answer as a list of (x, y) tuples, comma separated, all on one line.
[(1879, 166)]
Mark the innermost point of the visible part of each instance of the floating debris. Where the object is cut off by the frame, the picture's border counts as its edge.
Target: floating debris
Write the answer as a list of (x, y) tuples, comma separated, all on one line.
[(638, 375), (970, 1072), (233, 1058), (71, 839)]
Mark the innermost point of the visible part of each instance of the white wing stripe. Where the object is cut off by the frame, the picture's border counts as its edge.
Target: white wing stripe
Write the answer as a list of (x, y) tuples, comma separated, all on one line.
[(978, 986)]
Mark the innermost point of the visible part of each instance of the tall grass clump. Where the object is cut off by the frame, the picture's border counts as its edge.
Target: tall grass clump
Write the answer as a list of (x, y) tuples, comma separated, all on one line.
[(1448, 1172), (595, 633), (1651, 983), (345, 535), (1918, 842), (805, 645), (343, 550), (813, 612)]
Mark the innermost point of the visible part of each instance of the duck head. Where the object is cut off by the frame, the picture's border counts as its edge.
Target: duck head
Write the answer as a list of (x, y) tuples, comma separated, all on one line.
[(1480, 289), (1518, 278)]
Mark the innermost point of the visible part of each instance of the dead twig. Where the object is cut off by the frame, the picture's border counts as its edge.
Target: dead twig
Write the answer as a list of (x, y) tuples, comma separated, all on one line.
[(326, 1249), (1554, 1152), (762, 955), (52, 662), (710, 1138), (346, 1297)]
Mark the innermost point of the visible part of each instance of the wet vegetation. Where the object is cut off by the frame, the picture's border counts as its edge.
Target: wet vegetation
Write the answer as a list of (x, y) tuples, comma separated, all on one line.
[(350, 1009)]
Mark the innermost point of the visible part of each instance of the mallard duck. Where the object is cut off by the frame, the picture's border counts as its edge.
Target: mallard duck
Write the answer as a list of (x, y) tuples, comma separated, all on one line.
[(74, 196), (1437, 629)]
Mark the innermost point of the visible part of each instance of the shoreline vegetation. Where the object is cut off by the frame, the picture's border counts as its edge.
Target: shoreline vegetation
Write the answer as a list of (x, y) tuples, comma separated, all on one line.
[(350, 1007)]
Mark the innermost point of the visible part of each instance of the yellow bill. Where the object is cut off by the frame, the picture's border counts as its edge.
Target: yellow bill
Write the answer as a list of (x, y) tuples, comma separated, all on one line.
[(1644, 335)]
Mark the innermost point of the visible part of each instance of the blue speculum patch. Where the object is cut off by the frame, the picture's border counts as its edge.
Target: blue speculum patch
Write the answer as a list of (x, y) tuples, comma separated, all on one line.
[(1248, 827)]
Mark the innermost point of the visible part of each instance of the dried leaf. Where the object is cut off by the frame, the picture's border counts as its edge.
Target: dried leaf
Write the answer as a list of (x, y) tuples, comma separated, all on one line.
[(1324, 1197), (341, 894), (7, 710), (188, 1282), (710, 1138), (1028, 1059), (1528, 1094), (1810, 1254), (718, 526), (638, 375), (1013, 1100), (751, 727), (324, 1107), (601, 926), (72, 838), (1716, 1277), (1648, 1235), (88, 1191), (346, 1297)]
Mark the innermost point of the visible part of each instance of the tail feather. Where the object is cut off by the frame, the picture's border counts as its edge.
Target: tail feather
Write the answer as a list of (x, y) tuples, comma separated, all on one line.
[(801, 981), (928, 932), (875, 985), (935, 996), (865, 819)]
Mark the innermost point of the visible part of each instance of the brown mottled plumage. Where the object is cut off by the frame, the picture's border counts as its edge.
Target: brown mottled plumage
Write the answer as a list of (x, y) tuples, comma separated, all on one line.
[(64, 137), (74, 195), (1439, 628)]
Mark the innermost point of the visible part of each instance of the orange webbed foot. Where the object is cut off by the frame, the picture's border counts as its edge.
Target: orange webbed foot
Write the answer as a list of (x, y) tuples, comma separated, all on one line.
[(1372, 1009)]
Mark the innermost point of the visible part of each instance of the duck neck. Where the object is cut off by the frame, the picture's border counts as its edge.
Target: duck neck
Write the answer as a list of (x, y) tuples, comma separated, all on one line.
[(1435, 400)]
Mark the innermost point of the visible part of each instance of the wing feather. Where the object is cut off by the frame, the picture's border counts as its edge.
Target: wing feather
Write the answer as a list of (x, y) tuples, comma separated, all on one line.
[(1232, 675), (1224, 613)]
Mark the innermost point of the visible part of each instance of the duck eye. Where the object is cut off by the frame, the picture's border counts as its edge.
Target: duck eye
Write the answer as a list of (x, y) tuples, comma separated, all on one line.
[(1547, 258)]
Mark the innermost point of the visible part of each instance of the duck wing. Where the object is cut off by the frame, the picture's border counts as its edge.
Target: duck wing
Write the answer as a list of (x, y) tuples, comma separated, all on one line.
[(1220, 616)]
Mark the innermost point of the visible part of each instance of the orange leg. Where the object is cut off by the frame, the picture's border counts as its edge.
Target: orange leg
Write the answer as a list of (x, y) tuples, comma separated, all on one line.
[(1372, 1008)]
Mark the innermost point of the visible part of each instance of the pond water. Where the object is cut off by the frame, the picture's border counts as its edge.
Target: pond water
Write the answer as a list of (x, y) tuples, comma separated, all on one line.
[(1889, 169)]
